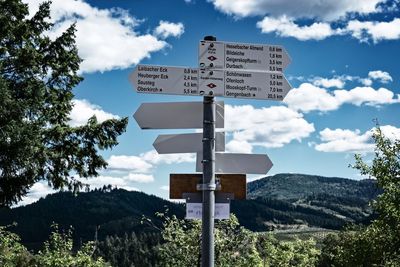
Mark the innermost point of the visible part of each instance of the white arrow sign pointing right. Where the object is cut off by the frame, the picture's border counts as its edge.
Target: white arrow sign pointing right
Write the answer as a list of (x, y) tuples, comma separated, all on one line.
[(238, 163)]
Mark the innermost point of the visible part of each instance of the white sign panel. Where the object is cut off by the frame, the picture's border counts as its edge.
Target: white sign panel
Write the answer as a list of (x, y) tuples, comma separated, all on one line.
[(153, 79), (248, 84), (186, 143), (238, 163), (240, 56), (175, 115), (194, 211)]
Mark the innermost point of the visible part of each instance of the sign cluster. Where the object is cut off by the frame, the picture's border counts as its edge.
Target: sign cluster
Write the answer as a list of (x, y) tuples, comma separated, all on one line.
[(233, 70)]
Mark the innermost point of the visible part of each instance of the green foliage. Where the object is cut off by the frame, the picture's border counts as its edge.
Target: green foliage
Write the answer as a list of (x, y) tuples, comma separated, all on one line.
[(302, 253), (37, 76), (377, 244), (12, 253), (57, 252), (130, 250), (234, 245)]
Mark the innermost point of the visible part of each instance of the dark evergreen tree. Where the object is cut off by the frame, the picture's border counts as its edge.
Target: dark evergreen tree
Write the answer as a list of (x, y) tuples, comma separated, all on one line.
[(37, 76)]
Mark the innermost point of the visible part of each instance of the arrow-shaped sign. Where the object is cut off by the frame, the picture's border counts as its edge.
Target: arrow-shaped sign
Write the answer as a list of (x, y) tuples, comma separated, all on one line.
[(240, 56), (246, 84), (175, 115), (238, 163), (186, 143)]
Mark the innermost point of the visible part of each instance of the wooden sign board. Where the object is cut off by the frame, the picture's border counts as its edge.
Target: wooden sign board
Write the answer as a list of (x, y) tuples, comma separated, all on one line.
[(187, 183)]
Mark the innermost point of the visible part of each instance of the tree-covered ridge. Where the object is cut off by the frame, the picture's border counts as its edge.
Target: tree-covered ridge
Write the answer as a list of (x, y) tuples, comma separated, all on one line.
[(114, 212), (288, 186)]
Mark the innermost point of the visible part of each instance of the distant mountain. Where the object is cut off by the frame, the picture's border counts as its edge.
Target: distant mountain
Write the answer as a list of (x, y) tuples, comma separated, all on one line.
[(299, 200), (282, 201), (112, 212), (287, 186)]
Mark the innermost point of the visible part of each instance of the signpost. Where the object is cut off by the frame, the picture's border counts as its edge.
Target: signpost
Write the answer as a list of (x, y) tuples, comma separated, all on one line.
[(186, 143), (233, 70)]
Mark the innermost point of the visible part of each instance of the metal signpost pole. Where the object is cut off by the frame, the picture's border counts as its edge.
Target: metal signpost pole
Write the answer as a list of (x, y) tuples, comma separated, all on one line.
[(207, 242)]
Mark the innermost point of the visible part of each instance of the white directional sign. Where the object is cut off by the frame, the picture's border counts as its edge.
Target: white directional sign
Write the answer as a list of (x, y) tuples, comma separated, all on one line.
[(153, 79), (239, 56), (248, 84), (238, 163), (186, 143), (175, 115)]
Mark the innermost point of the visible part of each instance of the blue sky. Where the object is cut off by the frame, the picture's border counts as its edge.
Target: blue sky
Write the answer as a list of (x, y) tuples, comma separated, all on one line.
[(344, 72)]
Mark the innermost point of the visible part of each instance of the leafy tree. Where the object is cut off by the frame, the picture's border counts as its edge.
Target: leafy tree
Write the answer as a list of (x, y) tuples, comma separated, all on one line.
[(57, 252), (234, 245), (296, 253), (12, 253), (378, 244), (37, 76)]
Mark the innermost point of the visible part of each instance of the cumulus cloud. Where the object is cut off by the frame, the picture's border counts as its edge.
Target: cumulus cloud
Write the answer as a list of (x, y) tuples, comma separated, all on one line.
[(326, 10), (152, 157), (166, 29), (106, 38), (375, 30), (336, 82), (308, 97), (285, 27), (38, 190), (128, 163), (100, 181), (344, 140), (382, 76), (266, 127), (82, 110)]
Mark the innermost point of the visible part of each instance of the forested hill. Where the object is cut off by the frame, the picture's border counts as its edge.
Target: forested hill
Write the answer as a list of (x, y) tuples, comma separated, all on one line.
[(288, 186), (283, 201), (113, 212)]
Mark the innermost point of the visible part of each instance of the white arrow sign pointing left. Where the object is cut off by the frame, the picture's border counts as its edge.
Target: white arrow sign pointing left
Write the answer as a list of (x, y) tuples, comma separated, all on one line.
[(186, 143)]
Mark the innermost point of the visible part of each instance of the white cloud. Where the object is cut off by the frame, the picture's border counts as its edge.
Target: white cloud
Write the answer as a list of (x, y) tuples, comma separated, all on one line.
[(38, 190), (164, 187), (327, 83), (366, 95), (106, 38), (321, 9), (285, 27), (166, 29), (100, 181), (139, 177), (83, 110), (128, 163), (382, 76), (152, 157), (266, 127), (236, 146), (340, 140), (377, 31), (308, 97)]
